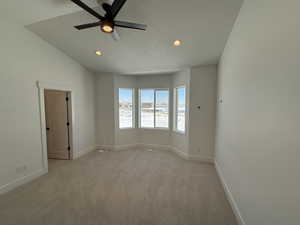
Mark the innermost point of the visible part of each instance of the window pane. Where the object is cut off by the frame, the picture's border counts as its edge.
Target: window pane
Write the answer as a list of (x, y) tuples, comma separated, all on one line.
[(147, 108), (162, 109), (125, 108), (180, 120)]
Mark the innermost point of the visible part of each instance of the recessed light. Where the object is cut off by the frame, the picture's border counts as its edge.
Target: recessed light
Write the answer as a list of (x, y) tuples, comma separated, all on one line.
[(177, 43), (98, 52)]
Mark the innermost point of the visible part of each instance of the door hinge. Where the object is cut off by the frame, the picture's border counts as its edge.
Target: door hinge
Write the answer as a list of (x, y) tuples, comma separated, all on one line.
[(67, 99), (69, 148), (68, 124)]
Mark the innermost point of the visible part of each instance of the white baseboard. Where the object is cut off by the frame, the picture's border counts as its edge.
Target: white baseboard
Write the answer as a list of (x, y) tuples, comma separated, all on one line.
[(105, 147), (197, 158), (23, 180), (153, 146), (125, 147), (82, 153), (229, 195), (202, 159), (143, 146), (180, 153), (116, 147)]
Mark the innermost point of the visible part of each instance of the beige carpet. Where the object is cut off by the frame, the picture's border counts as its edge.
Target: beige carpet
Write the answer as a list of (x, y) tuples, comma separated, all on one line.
[(132, 187)]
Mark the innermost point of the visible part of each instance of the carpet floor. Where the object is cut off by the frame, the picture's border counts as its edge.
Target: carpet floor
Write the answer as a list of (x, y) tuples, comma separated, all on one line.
[(132, 187)]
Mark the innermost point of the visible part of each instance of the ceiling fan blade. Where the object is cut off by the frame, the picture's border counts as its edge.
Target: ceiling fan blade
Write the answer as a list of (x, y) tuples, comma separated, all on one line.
[(130, 25), (116, 7), (88, 25), (115, 35), (88, 9)]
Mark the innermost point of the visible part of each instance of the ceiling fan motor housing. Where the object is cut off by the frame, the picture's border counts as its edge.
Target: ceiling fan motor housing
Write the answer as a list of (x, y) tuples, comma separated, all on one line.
[(107, 8), (100, 2), (107, 22)]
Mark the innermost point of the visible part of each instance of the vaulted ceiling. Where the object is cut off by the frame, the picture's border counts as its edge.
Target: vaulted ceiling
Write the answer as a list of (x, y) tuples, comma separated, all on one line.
[(203, 27)]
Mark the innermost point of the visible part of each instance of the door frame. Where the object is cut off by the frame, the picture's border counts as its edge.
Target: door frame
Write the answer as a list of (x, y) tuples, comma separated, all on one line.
[(42, 86)]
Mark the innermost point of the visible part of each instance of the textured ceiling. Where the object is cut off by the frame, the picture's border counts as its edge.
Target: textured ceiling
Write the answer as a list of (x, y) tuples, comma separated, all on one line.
[(202, 25)]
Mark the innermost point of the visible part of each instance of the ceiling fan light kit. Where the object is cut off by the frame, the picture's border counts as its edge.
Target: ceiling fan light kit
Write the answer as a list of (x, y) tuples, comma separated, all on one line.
[(107, 27), (107, 23)]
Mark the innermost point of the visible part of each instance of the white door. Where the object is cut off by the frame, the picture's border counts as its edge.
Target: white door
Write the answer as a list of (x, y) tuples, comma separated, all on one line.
[(56, 109)]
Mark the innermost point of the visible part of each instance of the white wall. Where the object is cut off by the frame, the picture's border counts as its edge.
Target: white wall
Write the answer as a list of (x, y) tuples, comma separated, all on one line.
[(258, 137), (197, 142), (25, 59), (203, 93), (105, 117)]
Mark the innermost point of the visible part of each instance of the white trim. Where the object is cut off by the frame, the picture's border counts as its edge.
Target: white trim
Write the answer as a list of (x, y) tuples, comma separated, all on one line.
[(54, 86), (158, 128), (133, 109), (105, 147), (180, 153), (154, 110), (25, 179), (73, 141), (154, 146), (229, 195), (199, 158), (127, 128), (179, 132), (116, 147), (124, 147), (175, 113), (144, 146), (82, 153), (18, 182)]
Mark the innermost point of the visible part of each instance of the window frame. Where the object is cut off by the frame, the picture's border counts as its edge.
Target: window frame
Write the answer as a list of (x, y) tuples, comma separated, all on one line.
[(154, 116), (175, 120), (133, 108)]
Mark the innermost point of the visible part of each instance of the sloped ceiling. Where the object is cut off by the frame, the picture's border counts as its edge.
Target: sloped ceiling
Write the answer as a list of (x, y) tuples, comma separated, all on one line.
[(203, 26)]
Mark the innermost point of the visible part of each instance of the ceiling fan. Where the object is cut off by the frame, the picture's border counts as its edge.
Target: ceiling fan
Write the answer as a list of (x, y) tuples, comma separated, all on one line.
[(107, 23)]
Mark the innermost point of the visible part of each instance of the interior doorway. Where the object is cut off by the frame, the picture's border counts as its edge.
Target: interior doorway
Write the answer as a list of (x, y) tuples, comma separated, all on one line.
[(58, 126)]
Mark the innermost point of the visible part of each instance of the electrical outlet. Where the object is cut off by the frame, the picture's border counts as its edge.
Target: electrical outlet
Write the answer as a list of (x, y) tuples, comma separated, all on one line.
[(21, 169)]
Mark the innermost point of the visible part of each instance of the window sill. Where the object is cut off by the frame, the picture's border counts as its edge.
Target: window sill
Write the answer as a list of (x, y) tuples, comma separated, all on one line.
[(126, 128), (179, 132), (150, 128)]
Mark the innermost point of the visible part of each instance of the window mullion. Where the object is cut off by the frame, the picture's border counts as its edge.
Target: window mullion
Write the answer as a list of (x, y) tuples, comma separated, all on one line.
[(133, 108), (124, 109), (154, 108), (139, 108), (176, 108)]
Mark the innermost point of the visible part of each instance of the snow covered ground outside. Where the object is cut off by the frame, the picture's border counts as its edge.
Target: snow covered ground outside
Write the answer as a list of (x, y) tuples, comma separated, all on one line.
[(147, 119)]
